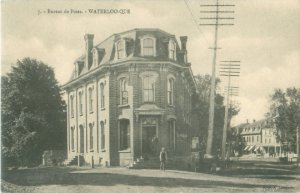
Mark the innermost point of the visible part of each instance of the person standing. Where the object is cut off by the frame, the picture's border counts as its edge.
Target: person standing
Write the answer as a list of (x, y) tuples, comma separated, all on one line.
[(163, 159)]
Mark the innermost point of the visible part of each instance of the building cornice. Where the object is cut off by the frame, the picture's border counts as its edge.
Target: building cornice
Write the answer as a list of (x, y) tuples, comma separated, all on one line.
[(96, 71)]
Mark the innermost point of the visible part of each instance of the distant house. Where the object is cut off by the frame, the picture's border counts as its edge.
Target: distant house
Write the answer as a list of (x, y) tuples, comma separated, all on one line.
[(260, 137), (129, 96)]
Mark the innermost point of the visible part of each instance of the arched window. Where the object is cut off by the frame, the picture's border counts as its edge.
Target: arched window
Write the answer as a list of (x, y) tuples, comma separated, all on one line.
[(95, 57), (81, 139), (148, 88), (102, 135), (121, 49), (80, 104), (170, 91), (72, 105), (91, 99), (102, 96), (123, 91), (72, 138), (124, 131), (172, 50), (148, 47), (91, 136), (98, 139)]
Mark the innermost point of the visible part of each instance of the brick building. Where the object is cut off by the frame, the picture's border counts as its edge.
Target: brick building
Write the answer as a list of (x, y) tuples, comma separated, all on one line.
[(129, 96)]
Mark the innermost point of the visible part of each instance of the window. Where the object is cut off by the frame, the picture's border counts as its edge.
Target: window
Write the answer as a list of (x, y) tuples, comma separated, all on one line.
[(102, 96), (124, 134), (148, 88), (81, 139), (123, 91), (270, 140), (72, 138), (252, 138), (148, 47), (265, 140), (171, 91), (95, 56), (91, 136), (102, 135), (91, 100), (72, 105), (94, 59), (121, 49), (80, 104), (257, 138), (98, 139), (171, 128), (172, 50)]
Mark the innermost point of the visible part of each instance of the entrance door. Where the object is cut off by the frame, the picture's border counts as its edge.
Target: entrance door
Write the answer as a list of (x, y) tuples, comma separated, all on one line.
[(148, 139), (81, 144)]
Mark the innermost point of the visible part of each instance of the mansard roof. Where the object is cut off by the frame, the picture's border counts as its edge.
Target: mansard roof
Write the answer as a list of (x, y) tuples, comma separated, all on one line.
[(255, 127), (133, 50)]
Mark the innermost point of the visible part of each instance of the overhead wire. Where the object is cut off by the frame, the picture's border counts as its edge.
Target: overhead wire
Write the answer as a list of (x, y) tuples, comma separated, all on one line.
[(195, 21)]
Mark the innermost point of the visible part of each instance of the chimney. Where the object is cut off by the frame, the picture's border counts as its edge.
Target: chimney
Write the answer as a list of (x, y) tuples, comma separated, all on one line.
[(253, 120), (88, 50), (247, 121), (183, 40)]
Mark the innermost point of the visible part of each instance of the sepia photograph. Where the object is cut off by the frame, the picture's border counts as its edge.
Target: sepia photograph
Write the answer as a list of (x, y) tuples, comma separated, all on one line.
[(150, 96)]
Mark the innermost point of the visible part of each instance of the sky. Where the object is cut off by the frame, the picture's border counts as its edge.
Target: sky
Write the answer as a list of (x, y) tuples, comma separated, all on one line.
[(265, 39)]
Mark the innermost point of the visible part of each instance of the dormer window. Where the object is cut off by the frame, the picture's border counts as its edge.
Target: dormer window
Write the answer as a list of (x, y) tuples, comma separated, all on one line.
[(95, 57), (148, 46), (172, 50), (121, 49)]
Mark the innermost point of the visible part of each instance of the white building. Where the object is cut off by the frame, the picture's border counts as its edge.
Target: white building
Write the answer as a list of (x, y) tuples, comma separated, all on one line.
[(260, 137)]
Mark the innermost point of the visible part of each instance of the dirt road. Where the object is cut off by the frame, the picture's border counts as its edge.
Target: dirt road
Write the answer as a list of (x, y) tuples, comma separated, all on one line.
[(70, 180)]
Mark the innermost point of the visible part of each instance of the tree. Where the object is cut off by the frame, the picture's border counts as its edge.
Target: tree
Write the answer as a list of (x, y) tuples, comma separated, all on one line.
[(237, 141), (285, 112), (201, 111), (33, 117)]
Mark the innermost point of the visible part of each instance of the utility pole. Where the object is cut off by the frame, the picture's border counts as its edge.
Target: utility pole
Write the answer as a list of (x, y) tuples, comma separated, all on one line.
[(297, 146), (228, 69), (214, 17)]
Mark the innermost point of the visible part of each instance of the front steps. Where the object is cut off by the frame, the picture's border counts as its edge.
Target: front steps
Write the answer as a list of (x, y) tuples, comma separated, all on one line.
[(71, 160)]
